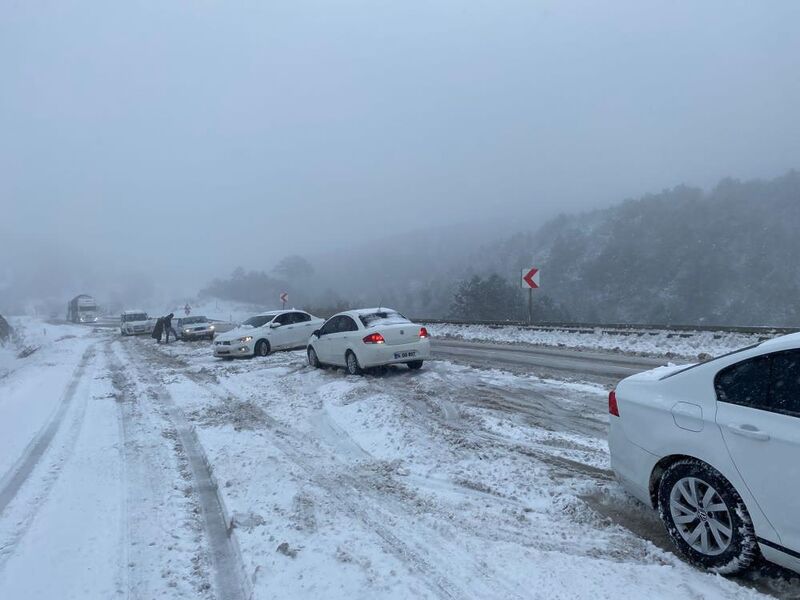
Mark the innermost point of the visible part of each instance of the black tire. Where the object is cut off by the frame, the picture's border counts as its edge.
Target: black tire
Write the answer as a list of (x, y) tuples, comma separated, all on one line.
[(741, 549), (262, 348), (313, 359), (351, 360), (414, 365)]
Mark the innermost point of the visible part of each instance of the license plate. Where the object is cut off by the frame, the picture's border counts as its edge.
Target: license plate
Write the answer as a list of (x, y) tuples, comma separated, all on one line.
[(409, 354)]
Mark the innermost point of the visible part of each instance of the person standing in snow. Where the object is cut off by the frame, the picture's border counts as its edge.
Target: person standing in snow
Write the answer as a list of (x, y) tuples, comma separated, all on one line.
[(158, 330), (168, 328)]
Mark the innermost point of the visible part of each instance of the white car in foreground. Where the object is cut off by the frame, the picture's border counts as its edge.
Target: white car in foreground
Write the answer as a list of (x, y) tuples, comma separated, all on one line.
[(715, 447), (263, 333), (369, 337), (135, 322)]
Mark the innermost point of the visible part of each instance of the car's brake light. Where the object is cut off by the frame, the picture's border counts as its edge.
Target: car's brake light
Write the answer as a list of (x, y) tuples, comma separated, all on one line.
[(612, 403), (374, 338), (423, 333)]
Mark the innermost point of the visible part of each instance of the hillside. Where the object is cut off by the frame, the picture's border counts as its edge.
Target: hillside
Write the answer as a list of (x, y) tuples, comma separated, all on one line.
[(728, 256)]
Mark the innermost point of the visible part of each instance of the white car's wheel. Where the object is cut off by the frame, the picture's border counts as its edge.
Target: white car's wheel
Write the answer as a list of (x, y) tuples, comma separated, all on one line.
[(706, 518), (262, 348), (353, 368), (414, 365), (313, 359)]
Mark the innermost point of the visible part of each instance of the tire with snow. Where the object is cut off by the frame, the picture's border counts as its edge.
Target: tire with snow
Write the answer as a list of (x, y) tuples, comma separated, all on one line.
[(353, 368), (706, 518), (414, 365), (313, 359), (262, 348)]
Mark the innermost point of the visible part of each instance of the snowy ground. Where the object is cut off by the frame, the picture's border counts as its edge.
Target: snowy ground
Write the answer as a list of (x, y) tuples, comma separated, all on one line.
[(684, 344), (130, 469)]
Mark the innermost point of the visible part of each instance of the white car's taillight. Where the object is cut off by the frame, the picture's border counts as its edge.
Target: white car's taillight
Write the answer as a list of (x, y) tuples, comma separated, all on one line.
[(613, 409), (374, 338)]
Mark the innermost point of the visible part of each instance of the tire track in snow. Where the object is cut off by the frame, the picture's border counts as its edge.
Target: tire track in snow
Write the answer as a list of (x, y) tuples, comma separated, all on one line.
[(354, 497), (21, 471), (229, 573)]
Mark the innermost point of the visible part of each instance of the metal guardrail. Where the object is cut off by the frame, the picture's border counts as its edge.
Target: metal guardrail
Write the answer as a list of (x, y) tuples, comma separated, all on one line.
[(619, 328)]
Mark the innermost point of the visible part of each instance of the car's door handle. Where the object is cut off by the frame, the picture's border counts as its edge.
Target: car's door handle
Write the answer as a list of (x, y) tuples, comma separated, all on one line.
[(748, 431)]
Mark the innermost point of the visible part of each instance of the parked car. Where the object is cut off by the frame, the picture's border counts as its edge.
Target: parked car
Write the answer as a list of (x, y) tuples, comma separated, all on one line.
[(195, 327), (135, 322), (261, 334), (715, 447), (369, 337)]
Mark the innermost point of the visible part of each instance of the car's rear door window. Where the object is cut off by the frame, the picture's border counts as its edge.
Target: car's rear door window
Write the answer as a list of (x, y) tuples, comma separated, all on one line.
[(785, 388), (347, 324), (745, 383)]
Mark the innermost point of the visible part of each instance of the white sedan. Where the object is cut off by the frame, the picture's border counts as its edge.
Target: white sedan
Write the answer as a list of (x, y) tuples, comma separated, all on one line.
[(369, 337), (263, 333), (715, 447)]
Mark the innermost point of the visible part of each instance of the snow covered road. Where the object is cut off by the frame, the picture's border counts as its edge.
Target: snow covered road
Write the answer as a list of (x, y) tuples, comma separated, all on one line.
[(137, 470)]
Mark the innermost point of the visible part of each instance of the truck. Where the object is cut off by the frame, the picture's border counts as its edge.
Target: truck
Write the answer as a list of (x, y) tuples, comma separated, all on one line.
[(82, 309)]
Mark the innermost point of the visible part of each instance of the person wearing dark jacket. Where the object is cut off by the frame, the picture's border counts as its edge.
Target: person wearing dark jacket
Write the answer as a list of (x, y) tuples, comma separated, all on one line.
[(158, 329), (168, 328)]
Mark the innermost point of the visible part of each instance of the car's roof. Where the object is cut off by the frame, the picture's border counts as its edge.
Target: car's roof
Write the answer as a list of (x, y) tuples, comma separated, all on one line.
[(192, 317), (134, 312), (357, 312), (782, 342)]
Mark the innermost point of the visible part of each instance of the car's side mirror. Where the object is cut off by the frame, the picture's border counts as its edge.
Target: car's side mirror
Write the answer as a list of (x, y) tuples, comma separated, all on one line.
[(317, 333), (274, 325)]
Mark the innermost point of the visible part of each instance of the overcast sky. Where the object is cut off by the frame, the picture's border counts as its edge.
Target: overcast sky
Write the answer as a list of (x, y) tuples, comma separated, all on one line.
[(161, 135)]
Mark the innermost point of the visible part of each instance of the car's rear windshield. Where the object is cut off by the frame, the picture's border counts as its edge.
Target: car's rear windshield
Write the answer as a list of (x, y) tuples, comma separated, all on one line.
[(383, 317), (258, 321), (190, 320), (692, 366)]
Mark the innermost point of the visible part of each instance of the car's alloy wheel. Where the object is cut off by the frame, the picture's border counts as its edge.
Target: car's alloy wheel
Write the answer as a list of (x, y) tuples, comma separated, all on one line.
[(352, 364), (706, 518), (701, 516), (262, 348)]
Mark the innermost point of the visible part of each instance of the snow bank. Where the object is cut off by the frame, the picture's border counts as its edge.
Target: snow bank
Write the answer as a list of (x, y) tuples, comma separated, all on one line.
[(647, 342)]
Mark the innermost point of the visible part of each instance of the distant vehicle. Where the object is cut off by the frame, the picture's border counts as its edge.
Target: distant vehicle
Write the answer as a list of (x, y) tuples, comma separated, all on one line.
[(82, 309), (135, 322), (263, 333), (715, 447), (366, 338), (195, 328)]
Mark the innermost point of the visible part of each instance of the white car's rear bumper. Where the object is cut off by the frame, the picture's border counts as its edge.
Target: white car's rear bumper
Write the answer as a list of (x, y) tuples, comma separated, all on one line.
[(374, 355), (631, 463)]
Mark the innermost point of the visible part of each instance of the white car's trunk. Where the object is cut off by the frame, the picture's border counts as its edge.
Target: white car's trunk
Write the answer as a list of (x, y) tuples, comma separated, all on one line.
[(397, 334)]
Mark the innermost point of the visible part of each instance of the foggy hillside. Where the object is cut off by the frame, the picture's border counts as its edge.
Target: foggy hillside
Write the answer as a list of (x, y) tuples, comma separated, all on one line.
[(728, 256), (683, 256)]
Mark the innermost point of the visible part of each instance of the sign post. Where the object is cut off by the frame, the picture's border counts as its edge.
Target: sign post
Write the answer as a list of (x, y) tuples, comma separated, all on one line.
[(284, 298), (530, 279)]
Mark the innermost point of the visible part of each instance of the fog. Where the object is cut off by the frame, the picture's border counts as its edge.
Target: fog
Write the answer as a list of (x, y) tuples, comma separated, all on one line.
[(153, 146)]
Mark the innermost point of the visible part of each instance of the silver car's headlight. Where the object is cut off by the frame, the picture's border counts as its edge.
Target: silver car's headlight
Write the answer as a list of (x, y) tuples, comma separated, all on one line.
[(211, 327), (185, 331), (247, 338)]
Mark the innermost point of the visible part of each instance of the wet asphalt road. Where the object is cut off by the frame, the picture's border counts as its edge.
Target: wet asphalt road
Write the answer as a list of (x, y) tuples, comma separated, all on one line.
[(603, 367)]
